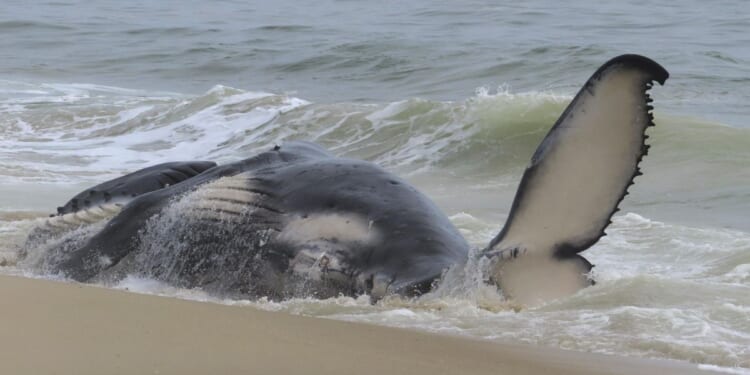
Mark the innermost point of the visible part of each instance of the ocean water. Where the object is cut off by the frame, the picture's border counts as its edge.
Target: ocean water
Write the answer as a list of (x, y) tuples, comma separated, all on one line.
[(453, 96)]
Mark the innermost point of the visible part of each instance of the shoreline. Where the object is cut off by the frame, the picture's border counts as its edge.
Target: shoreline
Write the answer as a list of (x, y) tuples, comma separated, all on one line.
[(50, 327)]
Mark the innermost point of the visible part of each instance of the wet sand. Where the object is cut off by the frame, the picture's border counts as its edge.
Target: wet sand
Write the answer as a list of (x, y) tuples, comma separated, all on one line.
[(50, 327)]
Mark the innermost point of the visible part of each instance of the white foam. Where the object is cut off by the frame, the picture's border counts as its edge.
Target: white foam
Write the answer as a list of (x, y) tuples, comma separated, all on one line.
[(110, 129), (728, 370), (143, 285)]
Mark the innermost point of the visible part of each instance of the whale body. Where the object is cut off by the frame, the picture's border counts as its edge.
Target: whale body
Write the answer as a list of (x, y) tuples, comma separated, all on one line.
[(298, 221)]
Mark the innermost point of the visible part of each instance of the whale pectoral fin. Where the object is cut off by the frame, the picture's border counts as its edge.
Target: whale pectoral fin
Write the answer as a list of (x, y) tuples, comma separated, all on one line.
[(123, 189), (580, 172), (118, 238), (104, 201), (120, 235)]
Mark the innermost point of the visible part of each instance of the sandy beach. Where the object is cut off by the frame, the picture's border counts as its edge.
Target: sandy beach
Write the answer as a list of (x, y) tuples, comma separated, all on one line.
[(60, 328)]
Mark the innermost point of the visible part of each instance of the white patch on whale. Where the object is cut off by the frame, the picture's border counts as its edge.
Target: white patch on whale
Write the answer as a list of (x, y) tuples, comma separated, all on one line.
[(329, 226), (321, 237)]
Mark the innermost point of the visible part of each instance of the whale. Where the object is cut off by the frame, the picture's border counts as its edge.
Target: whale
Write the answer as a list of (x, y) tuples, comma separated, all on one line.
[(299, 221)]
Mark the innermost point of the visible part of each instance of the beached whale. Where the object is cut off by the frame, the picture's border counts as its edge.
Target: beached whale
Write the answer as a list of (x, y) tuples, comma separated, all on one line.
[(299, 221)]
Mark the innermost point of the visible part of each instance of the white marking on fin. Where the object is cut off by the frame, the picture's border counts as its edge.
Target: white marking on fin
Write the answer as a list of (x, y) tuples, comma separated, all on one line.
[(98, 212), (85, 216), (112, 208), (70, 219), (533, 279)]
